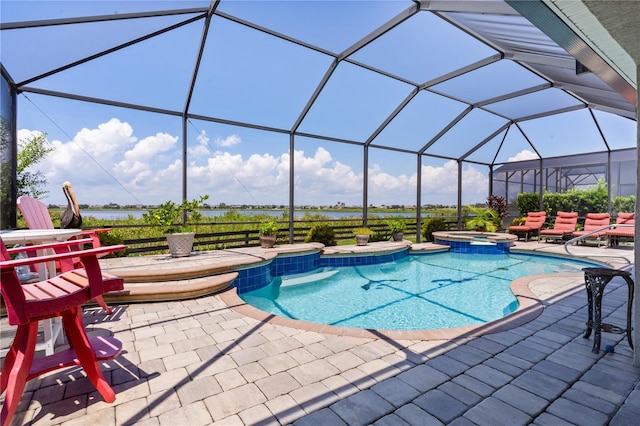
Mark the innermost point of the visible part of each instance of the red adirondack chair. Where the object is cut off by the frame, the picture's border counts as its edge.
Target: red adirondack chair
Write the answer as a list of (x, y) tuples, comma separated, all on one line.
[(59, 296), (37, 216)]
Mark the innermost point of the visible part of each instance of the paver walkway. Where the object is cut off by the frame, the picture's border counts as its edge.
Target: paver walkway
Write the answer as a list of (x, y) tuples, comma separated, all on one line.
[(198, 362)]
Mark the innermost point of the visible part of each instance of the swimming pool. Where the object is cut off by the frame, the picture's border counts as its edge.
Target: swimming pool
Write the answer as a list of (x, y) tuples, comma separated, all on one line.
[(416, 292)]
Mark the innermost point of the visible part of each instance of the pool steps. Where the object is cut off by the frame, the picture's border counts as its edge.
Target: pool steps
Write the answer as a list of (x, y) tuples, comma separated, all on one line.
[(298, 279)]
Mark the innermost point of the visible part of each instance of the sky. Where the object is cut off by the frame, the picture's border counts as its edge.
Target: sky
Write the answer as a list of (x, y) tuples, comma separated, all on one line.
[(120, 166), (127, 156)]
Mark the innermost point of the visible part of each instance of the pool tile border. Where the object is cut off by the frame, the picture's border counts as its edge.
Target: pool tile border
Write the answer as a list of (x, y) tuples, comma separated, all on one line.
[(530, 307)]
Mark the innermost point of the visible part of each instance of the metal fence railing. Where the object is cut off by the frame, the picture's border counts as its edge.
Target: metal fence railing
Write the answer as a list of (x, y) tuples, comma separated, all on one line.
[(250, 237)]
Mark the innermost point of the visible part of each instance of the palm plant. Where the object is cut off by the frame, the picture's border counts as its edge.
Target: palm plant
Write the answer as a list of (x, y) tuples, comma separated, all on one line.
[(483, 219)]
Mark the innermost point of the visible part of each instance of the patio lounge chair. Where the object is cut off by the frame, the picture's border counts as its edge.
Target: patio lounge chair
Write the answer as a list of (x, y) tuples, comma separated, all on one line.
[(594, 222), (534, 222), (563, 227), (622, 232)]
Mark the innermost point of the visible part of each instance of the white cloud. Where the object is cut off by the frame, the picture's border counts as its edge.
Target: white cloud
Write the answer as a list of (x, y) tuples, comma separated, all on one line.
[(440, 180), (201, 150), (108, 137), (475, 186), (523, 155), (151, 146), (319, 179), (231, 140), (385, 183), (202, 138), (439, 185), (87, 158), (111, 164)]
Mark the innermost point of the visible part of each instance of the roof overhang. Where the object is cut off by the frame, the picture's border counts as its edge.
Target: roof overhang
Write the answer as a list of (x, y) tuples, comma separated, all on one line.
[(602, 35)]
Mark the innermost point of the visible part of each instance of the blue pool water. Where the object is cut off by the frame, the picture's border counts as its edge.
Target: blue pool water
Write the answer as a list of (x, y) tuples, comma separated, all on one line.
[(417, 292)]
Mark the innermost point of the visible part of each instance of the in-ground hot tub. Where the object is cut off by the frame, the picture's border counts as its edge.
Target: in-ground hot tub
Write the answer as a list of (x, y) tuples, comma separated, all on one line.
[(475, 242)]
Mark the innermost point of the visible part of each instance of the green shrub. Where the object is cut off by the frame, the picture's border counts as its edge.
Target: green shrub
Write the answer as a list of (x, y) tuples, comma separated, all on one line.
[(432, 225), (321, 234), (518, 221), (555, 202), (168, 215), (528, 203), (624, 204), (379, 236), (591, 200), (112, 238)]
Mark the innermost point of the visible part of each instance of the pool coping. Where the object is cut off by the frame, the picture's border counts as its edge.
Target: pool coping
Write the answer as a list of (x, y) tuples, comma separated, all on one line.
[(529, 308), (467, 236)]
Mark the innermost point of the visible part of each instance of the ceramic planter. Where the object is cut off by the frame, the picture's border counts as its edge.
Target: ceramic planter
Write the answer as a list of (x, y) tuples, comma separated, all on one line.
[(267, 241), (398, 236), (180, 244), (362, 240)]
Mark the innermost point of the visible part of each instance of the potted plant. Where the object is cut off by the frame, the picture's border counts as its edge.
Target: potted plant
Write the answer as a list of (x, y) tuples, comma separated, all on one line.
[(268, 233), (397, 228), (362, 236), (169, 217), (483, 220)]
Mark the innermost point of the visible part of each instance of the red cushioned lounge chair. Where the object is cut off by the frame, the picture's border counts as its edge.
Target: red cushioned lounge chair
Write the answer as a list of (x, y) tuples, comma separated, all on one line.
[(564, 226), (534, 222), (595, 227), (622, 232)]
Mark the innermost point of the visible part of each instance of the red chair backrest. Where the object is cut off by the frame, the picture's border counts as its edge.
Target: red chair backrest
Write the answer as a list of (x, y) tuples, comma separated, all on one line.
[(35, 213), (37, 216), (626, 218), (535, 219), (595, 221), (566, 221)]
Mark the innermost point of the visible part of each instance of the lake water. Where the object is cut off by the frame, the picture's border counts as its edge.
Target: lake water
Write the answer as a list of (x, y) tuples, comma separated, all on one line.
[(123, 214)]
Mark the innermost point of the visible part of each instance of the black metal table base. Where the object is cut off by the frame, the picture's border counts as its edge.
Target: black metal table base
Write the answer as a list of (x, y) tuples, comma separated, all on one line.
[(595, 280)]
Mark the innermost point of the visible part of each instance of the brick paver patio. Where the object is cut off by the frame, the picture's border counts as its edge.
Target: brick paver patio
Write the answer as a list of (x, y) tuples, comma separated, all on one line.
[(199, 362)]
